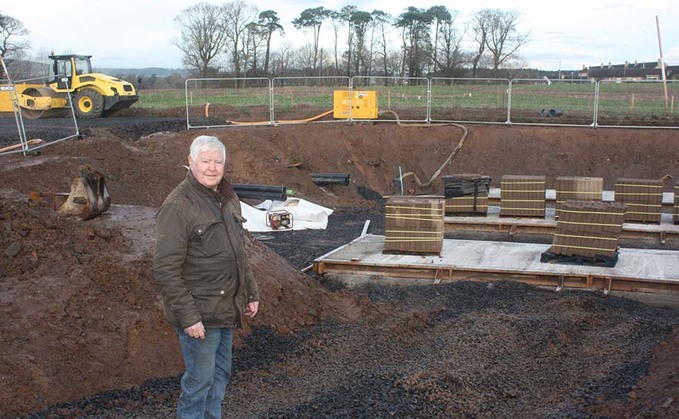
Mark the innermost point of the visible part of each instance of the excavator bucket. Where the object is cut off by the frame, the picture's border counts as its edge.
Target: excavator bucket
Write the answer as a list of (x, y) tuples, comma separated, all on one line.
[(89, 196)]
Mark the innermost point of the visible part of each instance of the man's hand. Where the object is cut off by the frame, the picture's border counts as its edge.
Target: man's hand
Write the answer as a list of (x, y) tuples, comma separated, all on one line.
[(251, 309), (196, 331)]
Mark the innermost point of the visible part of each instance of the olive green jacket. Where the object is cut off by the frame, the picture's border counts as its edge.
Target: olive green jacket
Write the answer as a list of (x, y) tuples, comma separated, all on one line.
[(200, 265)]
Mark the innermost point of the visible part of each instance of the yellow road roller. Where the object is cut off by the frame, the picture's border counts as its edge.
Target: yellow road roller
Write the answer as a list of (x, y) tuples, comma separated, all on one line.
[(91, 94)]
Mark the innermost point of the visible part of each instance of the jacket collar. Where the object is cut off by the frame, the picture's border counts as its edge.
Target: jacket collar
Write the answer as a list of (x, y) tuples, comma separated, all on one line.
[(224, 189)]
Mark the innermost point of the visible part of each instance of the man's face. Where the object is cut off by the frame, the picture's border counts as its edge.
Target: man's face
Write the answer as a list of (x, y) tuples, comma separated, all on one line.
[(208, 168)]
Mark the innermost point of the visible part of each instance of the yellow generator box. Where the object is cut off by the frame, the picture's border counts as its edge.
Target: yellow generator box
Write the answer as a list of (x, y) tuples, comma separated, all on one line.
[(356, 104)]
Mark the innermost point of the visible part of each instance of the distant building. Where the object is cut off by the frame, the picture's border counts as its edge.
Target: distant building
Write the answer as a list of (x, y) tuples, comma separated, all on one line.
[(630, 71)]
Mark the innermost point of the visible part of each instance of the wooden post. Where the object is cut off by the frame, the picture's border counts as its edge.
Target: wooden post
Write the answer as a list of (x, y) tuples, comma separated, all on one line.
[(672, 105), (632, 106)]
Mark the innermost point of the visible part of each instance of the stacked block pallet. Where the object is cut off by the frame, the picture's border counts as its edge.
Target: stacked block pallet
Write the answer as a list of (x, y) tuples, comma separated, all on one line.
[(574, 188), (466, 194), (587, 232), (414, 225), (643, 198), (522, 196)]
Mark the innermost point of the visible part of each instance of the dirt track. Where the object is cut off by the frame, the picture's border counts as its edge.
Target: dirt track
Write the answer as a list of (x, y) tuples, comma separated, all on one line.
[(82, 333)]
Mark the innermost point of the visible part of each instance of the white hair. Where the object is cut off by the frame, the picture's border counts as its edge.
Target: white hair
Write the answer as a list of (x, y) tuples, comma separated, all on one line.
[(206, 143)]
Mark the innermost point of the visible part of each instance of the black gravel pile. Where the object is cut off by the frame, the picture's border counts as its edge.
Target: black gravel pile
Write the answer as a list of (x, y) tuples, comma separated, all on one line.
[(51, 129), (459, 350), (462, 349)]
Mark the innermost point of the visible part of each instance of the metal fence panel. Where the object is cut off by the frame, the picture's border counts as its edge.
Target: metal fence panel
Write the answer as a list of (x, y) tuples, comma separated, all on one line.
[(405, 99), (638, 103), (469, 100), (221, 102), (543, 102), (552, 102), (304, 99), (38, 132)]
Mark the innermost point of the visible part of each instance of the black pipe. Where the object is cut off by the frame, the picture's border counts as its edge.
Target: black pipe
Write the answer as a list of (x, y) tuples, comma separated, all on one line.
[(331, 178), (263, 192)]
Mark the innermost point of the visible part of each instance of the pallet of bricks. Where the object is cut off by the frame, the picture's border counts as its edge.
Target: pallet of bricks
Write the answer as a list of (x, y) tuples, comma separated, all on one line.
[(414, 225), (466, 194), (643, 198), (577, 188), (587, 232), (522, 196)]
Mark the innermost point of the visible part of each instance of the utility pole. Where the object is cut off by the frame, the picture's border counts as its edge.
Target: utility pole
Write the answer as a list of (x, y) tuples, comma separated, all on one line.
[(662, 65)]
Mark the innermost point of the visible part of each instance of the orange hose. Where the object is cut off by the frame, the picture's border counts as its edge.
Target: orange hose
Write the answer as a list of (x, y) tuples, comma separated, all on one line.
[(294, 121)]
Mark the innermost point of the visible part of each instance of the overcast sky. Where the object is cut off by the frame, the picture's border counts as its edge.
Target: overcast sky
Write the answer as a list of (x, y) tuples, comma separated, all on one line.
[(564, 34)]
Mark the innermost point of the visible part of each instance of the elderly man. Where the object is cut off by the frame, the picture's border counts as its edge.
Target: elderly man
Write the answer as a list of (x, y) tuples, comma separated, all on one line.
[(201, 268)]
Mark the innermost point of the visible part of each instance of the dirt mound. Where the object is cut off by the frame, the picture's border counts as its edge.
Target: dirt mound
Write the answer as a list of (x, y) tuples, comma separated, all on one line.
[(80, 315), (78, 302)]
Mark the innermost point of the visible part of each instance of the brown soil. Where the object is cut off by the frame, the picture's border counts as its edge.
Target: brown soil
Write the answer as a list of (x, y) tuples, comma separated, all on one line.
[(79, 315)]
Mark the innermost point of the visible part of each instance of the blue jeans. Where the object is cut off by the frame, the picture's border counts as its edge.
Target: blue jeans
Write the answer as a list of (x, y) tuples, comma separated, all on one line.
[(208, 369)]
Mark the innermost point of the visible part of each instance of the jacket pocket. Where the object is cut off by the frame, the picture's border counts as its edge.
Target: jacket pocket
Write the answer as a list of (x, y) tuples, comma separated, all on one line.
[(211, 303), (211, 237), (239, 223)]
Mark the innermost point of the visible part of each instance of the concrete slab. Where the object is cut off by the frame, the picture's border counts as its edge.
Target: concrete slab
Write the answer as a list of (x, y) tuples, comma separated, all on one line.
[(636, 269)]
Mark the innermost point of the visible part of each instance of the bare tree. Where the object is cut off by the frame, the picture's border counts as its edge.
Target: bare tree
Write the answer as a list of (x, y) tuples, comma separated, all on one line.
[(496, 30), (282, 60), (10, 30), (202, 37), (237, 16), (305, 58), (270, 23), (450, 57), (504, 38), (481, 28), (312, 18)]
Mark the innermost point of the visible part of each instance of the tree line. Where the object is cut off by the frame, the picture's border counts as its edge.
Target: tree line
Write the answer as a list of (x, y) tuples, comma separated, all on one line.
[(234, 39)]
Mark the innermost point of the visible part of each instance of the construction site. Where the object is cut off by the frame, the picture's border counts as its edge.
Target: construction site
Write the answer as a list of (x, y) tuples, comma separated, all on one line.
[(466, 270)]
